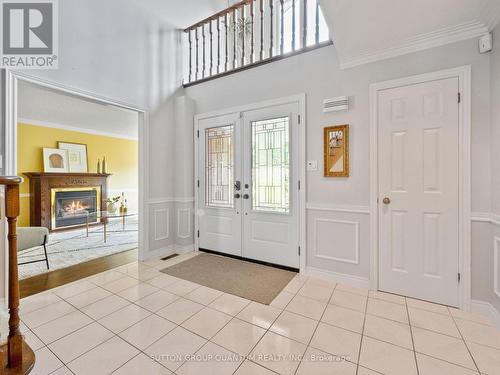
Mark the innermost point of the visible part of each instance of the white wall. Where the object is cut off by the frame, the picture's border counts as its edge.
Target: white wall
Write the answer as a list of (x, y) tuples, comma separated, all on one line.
[(494, 238), (116, 50), (346, 199)]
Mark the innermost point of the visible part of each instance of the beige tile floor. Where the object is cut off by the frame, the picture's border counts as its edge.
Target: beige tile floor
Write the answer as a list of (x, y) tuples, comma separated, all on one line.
[(136, 320)]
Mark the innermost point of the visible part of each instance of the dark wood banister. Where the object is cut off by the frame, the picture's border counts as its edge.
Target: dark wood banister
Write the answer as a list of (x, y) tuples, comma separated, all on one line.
[(275, 48), (17, 357), (218, 14)]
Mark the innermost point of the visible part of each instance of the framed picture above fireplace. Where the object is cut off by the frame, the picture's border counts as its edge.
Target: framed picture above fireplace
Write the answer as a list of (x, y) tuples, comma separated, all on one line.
[(77, 156), (55, 160)]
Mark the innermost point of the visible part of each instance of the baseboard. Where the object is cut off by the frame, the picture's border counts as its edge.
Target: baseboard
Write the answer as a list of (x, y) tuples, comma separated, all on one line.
[(159, 253), (183, 249), (357, 281), (487, 309)]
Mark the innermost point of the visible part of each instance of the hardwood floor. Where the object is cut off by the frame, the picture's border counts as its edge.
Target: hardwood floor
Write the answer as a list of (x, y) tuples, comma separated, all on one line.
[(53, 279)]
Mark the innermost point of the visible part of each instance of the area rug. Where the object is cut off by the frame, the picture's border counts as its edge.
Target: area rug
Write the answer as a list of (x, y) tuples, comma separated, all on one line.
[(249, 280), (73, 246)]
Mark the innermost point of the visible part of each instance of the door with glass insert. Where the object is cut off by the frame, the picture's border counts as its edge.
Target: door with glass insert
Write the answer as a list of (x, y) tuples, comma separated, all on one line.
[(248, 184), (270, 190), (219, 203)]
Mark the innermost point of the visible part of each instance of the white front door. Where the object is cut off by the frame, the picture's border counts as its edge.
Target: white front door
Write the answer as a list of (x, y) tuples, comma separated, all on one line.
[(248, 194), (418, 188), (219, 212)]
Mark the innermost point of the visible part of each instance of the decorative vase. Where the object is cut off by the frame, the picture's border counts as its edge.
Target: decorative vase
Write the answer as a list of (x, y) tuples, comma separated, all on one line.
[(98, 166), (104, 165), (111, 207)]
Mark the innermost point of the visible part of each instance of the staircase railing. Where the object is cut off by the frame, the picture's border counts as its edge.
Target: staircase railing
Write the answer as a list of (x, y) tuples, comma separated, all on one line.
[(17, 357), (251, 33)]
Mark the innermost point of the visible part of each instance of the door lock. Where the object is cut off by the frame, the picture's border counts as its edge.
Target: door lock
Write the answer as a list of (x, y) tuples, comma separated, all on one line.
[(386, 200)]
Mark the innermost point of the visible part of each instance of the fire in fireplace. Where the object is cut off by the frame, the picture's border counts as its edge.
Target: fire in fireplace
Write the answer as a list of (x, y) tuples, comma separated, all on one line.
[(74, 206)]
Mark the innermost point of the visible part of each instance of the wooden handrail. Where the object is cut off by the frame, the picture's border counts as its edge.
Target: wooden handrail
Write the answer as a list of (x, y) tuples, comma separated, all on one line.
[(255, 32), (20, 357), (217, 15)]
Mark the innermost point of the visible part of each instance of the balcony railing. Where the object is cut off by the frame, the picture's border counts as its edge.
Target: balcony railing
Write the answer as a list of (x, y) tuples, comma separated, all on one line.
[(250, 33)]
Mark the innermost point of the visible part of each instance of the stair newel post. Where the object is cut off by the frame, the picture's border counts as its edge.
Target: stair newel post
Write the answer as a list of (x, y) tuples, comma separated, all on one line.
[(15, 340)]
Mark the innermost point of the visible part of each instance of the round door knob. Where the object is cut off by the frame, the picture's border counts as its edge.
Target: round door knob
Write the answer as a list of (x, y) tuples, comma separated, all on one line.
[(386, 200), (237, 196), (246, 196)]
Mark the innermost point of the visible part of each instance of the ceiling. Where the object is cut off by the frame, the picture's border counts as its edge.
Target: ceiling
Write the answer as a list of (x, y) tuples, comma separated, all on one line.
[(42, 106), (182, 13), (369, 30)]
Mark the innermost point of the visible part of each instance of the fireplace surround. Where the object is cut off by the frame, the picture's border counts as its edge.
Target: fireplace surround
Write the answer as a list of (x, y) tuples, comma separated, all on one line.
[(63, 200), (75, 206)]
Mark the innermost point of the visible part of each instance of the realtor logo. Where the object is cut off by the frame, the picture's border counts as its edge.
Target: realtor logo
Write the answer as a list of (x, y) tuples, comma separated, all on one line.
[(29, 34)]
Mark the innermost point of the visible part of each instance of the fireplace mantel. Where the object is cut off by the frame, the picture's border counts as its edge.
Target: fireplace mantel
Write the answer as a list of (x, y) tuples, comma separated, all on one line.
[(41, 185)]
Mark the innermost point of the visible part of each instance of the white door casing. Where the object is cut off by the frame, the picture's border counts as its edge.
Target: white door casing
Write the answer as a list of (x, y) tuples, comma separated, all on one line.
[(267, 236), (420, 160)]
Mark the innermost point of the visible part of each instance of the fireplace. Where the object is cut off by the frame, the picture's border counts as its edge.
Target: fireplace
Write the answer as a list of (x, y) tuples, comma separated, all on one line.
[(75, 206)]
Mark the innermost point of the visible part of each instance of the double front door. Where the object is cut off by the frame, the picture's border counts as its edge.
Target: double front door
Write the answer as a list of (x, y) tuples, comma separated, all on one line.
[(248, 184)]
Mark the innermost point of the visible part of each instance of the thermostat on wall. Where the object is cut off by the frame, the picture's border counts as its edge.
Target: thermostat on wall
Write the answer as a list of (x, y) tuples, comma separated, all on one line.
[(486, 43)]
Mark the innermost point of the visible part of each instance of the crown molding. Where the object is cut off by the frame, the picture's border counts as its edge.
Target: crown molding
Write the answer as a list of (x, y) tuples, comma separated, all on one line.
[(422, 42), (52, 125)]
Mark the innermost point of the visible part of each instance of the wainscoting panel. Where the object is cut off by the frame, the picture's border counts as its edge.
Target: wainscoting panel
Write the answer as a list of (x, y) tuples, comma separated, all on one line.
[(338, 240), (184, 223), (346, 235), (161, 223)]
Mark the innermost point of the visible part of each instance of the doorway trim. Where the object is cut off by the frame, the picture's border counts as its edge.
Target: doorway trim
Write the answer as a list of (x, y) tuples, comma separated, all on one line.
[(301, 100), (10, 81), (464, 267)]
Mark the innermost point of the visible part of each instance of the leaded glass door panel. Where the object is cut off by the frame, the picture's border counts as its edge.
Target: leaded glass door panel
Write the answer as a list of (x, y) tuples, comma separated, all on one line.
[(270, 165), (219, 167)]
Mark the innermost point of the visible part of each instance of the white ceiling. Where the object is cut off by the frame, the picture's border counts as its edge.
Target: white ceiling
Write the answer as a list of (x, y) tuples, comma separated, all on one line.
[(182, 13), (369, 30), (42, 106)]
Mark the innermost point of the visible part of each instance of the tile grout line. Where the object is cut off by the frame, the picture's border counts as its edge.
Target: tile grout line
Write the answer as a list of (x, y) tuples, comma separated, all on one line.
[(465, 343), (268, 329), (362, 332), (411, 334), (308, 345)]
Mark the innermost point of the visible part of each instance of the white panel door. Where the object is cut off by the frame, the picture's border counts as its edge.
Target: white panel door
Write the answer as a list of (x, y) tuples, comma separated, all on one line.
[(419, 191), (219, 169), (248, 194), (271, 192)]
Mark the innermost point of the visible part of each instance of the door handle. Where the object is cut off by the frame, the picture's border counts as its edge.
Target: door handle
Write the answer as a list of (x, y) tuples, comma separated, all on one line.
[(237, 186), (246, 196), (237, 196), (386, 200)]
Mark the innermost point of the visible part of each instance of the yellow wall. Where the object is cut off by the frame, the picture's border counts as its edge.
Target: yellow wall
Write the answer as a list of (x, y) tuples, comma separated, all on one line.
[(121, 159)]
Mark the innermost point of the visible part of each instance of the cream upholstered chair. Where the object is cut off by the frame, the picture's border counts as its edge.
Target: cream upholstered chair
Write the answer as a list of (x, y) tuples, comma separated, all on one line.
[(28, 237)]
